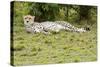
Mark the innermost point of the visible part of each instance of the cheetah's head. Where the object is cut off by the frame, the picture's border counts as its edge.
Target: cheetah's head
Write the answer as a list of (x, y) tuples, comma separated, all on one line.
[(28, 19)]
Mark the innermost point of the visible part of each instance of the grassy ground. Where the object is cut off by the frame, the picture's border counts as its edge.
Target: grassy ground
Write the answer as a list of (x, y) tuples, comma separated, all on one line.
[(63, 47)]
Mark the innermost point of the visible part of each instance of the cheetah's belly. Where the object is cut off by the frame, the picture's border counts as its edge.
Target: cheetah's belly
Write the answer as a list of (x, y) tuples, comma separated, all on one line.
[(52, 26)]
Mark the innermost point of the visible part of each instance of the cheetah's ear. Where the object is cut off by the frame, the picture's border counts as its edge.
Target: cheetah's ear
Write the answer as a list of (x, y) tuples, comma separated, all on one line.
[(33, 16)]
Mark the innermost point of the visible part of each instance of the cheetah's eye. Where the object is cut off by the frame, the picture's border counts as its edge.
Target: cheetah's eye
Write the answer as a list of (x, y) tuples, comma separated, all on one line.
[(26, 18), (29, 18)]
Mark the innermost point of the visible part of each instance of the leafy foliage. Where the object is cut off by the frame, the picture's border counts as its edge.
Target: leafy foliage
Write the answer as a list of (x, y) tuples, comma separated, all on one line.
[(53, 12)]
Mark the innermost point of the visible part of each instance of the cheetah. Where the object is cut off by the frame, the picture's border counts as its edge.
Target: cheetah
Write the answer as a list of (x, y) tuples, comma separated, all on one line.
[(48, 26)]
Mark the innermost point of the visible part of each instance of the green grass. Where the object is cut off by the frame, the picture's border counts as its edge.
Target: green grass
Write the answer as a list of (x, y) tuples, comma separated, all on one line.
[(62, 47)]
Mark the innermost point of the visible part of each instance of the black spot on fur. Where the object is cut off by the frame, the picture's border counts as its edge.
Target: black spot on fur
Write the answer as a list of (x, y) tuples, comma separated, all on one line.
[(87, 28)]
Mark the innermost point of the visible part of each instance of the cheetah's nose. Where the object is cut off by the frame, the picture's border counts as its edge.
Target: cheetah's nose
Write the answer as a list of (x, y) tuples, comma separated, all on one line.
[(27, 21)]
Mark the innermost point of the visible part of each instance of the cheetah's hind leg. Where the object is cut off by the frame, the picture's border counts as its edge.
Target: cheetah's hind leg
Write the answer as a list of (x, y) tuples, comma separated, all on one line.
[(45, 32)]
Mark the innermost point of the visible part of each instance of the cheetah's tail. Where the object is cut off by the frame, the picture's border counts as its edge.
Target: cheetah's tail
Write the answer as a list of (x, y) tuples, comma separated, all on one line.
[(75, 29), (87, 28)]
